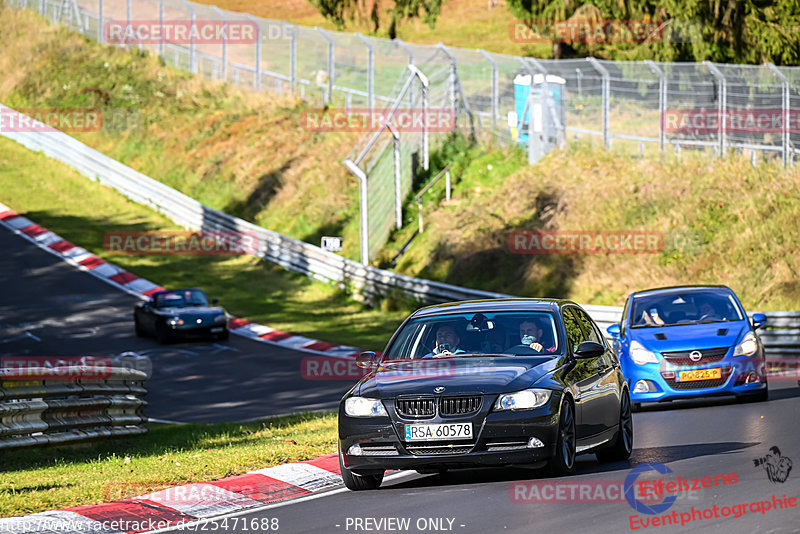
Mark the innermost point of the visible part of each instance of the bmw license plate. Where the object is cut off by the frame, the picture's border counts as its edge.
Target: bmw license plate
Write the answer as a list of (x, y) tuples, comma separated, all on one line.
[(216, 329), (700, 374), (438, 432)]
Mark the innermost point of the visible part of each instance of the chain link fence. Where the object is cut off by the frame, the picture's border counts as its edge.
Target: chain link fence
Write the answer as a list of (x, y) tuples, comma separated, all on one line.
[(633, 106)]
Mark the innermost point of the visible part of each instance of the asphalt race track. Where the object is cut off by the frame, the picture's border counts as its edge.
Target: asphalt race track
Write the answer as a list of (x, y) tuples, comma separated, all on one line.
[(50, 308), (693, 439)]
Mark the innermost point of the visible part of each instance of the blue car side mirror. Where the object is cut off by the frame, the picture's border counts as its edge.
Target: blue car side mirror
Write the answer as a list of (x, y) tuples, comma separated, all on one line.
[(614, 331), (759, 320)]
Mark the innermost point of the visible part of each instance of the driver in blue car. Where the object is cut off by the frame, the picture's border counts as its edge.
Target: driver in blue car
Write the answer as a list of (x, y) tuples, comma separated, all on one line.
[(530, 334), (447, 342)]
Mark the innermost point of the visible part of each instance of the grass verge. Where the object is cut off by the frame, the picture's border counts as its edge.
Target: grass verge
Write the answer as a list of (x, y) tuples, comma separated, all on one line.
[(82, 211), (35, 480)]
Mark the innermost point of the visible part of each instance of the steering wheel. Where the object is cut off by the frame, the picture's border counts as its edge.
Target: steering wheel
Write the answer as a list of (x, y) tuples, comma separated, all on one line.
[(522, 350)]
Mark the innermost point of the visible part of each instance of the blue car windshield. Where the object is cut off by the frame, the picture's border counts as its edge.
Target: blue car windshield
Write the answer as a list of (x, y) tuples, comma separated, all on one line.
[(474, 334), (684, 307), (181, 299)]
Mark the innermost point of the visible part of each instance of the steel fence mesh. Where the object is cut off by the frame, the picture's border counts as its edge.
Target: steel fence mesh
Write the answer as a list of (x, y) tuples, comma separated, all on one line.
[(624, 104)]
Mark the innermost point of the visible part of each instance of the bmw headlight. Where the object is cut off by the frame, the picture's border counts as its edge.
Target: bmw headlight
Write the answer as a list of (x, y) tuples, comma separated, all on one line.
[(363, 407), (641, 355), (748, 345), (526, 399), (175, 321), (220, 319)]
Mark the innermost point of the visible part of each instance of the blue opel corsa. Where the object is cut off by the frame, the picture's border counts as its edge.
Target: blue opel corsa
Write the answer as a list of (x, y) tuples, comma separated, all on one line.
[(690, 341)]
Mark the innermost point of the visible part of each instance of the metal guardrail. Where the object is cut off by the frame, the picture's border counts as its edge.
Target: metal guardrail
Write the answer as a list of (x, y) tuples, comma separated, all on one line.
[(42, 409), (782, 333)]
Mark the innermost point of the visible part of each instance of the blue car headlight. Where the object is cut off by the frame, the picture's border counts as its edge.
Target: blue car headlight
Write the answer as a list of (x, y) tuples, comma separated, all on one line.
[(363, 407), (748, 346), (175, 321), (220, 319), (640, 355), (526, 399)]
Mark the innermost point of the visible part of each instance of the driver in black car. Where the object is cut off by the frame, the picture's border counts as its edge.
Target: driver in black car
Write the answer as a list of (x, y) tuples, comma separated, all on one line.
[(530, 334), (447, 342)]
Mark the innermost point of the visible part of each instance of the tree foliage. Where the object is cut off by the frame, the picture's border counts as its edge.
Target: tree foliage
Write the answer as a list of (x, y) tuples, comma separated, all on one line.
[(736, 31), (340, 11)]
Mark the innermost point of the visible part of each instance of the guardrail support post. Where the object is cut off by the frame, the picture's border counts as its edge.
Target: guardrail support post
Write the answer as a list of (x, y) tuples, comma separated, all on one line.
[(362, 193), (662, 101), (370, 72), (785, 109), (722, 94), (328, 38), (495, 92), (606, 98), (447, 184)]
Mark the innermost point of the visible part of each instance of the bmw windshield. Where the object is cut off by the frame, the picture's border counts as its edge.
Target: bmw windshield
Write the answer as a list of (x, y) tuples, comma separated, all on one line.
[(456, 335), (683, 307)]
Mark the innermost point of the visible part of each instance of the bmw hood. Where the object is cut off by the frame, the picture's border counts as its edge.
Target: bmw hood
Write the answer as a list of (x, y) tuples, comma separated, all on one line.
[(690, 336), (465, 375)]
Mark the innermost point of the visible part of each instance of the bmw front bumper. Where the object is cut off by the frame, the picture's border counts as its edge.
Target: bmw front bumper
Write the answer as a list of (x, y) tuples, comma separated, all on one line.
[(499, 438)]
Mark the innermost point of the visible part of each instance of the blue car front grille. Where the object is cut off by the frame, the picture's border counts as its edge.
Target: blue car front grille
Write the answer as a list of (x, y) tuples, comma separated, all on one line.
[(707, 356)]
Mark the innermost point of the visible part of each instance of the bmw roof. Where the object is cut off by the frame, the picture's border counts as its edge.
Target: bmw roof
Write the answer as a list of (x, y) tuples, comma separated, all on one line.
[(493, 305)]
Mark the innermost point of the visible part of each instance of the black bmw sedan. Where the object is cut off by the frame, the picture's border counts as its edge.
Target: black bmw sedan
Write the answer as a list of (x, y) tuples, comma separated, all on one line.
[(486, 383), (175, 313)]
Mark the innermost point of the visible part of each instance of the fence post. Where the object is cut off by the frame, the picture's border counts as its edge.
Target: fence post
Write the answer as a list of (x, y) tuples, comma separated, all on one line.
[(192, 44), (398, 201), (453, 79), (606, 96), (785, 109), (447, 184), (224, 73), (495, 93), (292, 57), (662, 101), (362, 193), (100, 37), (330, 65), (402, 46), (161, 26), (370, 72), (425, 134), (721, 105), (257, 83)]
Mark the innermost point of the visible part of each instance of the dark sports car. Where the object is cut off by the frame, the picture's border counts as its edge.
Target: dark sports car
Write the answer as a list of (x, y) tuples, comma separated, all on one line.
[(486, 383), (179, 313)]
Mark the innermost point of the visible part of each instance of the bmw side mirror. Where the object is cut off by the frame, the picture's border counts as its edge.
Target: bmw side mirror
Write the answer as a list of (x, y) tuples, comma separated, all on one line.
[(589, 349), (614, 330), (759, 320), (366, 360), (214, 301)]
